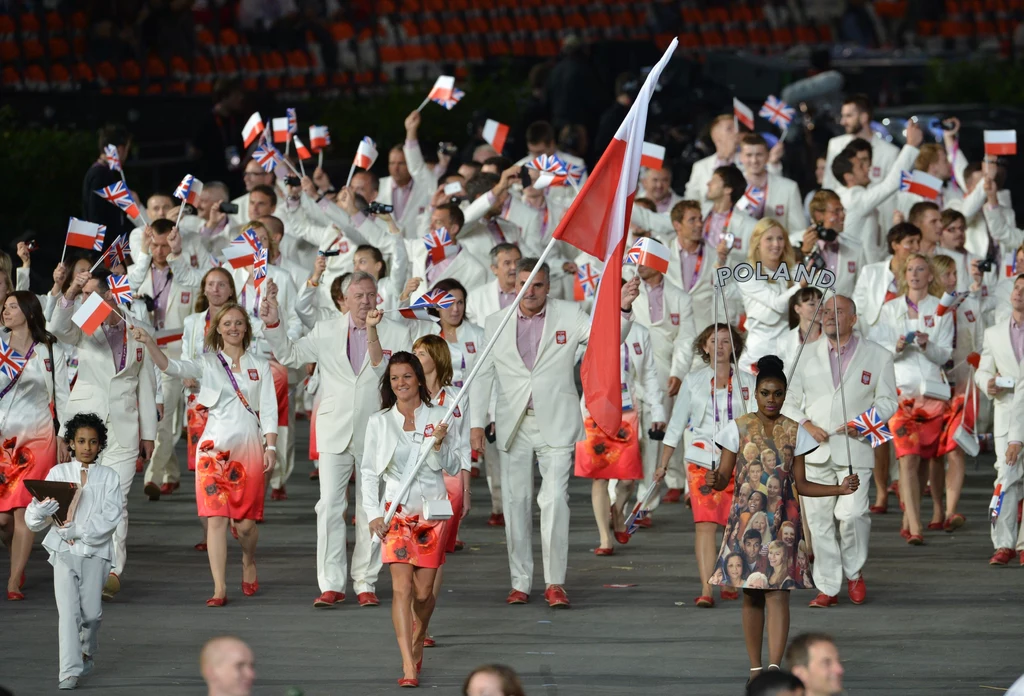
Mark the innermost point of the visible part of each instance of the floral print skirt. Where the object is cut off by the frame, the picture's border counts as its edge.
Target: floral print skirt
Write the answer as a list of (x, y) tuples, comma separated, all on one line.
[(230, 483), (418, 542), (24, 458)]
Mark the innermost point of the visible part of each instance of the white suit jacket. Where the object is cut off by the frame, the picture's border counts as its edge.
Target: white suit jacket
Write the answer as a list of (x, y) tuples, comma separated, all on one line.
[(424, 183), (483, 302), (883, 156), (348, 397), (695, 396), (180, 298), (125, 399), (849, 265), (697, 187), (914, 365), (784, 204), (192, 246), (464, 268), (740, 226), (551, 381), (672, 335), (869, 380), (997, 358), (477, 239), (873, 283)]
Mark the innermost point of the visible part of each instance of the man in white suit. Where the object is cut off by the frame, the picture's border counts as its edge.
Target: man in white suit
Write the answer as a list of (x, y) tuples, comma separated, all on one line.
[(411, 182), (537, 416), (1001, 356), (932, 159), (725, 138), (855, 118), (781, 195), (843, 258), (462, 266), (350, 383), (252, 176), (485, 300), (815, 399), (657, 185), (172, 300), (116, 381), (490, 228)]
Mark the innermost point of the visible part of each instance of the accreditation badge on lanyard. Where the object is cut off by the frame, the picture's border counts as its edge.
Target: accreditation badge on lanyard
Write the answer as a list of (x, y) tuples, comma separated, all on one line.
[(627, 398)]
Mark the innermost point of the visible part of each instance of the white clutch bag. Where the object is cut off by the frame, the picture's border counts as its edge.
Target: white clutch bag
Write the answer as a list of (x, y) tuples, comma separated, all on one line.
[(964, 438), (437, 509), (699, 452), (936, 389)]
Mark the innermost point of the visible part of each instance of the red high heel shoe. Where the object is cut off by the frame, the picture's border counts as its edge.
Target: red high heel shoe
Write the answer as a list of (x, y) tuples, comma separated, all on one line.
[(216, 601), (15, 596), (408, 683), (250, 588)]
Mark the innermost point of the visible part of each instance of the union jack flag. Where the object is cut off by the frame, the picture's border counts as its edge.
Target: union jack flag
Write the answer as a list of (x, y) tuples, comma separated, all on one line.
[(873, 427), (113, 159), (778, 112), (120, 288), (553, 171), (441, 299), (440, 246), (266, 156), (259, 268), (753, 199), (575, 173), (588, 277), (11, 361), (293, 121), (906, 180), (116, 253), (100, 236), (119, 195), (450, 102), (249, 237)]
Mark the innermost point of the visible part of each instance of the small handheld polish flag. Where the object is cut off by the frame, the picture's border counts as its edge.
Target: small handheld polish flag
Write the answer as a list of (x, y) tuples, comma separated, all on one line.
[(1000, 142), (301, 150), (319, 137), (91, 314), (949, 302), (253, 128), (652, 156), (495, 134), (743, 113), (649, 252), (443, 88), (280, 126), (366, 153), (921, 183), (84, 235), (189, 189), (237, 255)]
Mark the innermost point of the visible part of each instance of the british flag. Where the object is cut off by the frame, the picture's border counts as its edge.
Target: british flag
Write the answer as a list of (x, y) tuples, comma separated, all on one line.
[(753, 199), (266, 156), (293, 121), (588, 277), (575, 173), (440, 245), (778, 112), (100, 236), (116, 253), (11, 361), (873, 427), (249, 237), (119, 195), (113, 159), (553, 171), (450, 102), (259, 268), (120, 288), (442, 299)]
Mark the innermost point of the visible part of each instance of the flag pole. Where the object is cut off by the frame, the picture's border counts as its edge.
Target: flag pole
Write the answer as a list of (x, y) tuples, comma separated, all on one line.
[(464, 391), (288, 145), (302, 167), (351, 172), (425, 102), (181, 210), (735, 359), (320, 159), (63, 253), (800, 350), (842, 387)]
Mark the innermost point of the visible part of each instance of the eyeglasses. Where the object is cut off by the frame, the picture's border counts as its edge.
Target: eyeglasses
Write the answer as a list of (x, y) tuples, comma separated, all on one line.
[(249, 175)]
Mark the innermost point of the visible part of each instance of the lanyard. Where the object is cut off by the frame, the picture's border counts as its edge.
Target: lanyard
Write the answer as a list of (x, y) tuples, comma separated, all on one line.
[(124, 349), (714, 398), (255, 304), (725, 227), (955, 322), (28, 356), (912, 305), (700, 262), (206, 330), (625, 365), (234, 383), (544, 223)]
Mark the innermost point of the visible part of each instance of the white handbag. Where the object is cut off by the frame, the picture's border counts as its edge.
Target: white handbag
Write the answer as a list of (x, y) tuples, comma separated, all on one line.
[(437, 509), (965, 438), (936, 389), (700, 456)]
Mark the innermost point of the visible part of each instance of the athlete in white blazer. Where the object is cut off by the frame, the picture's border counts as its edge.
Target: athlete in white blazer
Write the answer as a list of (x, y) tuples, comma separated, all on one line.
[(725, 138), (815, 400), (855, 118), (1001, 356), (463, 267), (876, 282), (531, 368), (485, 300), (411, 183), (118, 387), (781, 195), (349, 383)]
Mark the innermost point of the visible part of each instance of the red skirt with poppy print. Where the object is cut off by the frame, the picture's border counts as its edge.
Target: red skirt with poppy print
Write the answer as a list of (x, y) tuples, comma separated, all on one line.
[(715, 505), (24, 457), (196, 416), (618, 457), (230, 482), (420, 543), (917, 426)]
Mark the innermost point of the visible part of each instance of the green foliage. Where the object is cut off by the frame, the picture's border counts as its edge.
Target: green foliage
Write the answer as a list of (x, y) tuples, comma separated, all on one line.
[(998, 83)]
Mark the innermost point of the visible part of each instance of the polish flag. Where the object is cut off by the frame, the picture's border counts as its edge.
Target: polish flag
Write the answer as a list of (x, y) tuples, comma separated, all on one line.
[(189, 189), (237, 255), (252, 130), (743, 113), (949, 302), (91, 314), (649, 252), (495, 134), (83, 234), (280, 126), (652, 156), (366, 153), (319, 137), (442, 88), (300, 149), (921, 183), (597, 224), (167, 336), (1001, 142)]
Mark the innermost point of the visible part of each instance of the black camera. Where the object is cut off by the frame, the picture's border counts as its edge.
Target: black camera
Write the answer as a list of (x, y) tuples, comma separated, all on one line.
[(229, 208), (293, 181), (150, 302), (376, 208), (946, 123), (825, 234), (524, 176), (450, 149), (657, 435), (986, 265)]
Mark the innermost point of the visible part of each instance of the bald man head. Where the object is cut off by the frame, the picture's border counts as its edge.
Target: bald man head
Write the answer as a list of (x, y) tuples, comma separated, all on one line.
[(227, 667)]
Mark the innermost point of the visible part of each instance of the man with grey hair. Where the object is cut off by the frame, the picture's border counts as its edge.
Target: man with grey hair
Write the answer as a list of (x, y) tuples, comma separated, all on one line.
[(350, 380), (536, 359), (868, 381)]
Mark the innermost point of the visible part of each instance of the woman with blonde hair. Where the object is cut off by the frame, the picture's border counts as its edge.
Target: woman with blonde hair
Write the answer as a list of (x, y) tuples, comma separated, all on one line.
[(778, 577), (922, 342), (766, 302)]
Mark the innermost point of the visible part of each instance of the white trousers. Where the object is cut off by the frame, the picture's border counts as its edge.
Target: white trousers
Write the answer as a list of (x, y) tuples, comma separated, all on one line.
[(331, 529), (555, 465), (846, 555), (492, 467), (286, 448), (78, 589), (675, 476), (163, 467), (122, 460), (1005, 532)]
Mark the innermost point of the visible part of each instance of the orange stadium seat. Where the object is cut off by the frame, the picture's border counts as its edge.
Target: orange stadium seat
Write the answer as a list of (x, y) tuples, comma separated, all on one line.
[(60, 78), (106, 71), (474, 50), (298, 69), (229, 39), (250, 72), (11, 78), (203, 74), (130, 71), (82, 72), (32, 49), (430, 26), (35, 78), (155, 68), (58, 48), (452, 49), (9, 51), (342, 31), (79, 22), (29, 25), (497, 46)]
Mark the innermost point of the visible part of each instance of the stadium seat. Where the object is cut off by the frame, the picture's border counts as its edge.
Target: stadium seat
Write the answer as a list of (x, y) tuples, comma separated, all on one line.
[(11, 78), (58, 48), (79, 22), (60, 78), (28, 23), (203, 75), (32, 49), (83, 73), (9, 51), (342, 31), (35, 78)]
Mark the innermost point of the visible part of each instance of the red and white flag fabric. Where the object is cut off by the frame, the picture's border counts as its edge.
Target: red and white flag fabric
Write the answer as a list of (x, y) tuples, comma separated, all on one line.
[(253, 128), (1000, 142), (495, 134), (237, 255), (113, 159), (553, 171), (440, 245), (597, 223), (420, 307), (85, 235), (319, 137), (588, 279), (442, 89), (778, 112), (280, 127), (116, 253), (652, 156), (366, 153), (91, 314), (301, 150), (649, 252), (259, 268), (118, 194), (293, 121), (167, 336), (949, 302), (189, 189), (743, 113), (921, 183)]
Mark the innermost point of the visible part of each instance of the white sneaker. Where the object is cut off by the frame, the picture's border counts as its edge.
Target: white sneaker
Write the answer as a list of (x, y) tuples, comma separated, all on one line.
[(68, 684)]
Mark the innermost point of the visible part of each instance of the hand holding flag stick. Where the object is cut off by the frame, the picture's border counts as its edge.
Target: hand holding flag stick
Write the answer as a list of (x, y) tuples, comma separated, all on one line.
[(442, 90)]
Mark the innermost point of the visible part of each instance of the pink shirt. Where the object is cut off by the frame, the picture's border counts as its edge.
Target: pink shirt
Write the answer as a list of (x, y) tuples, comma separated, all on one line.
[(1017, 339), (656, 298), (505, 298), (496, 234), (209, 232), (665, 204), (528, 333), (434, 270), (688, 267), (830, 252), (356, 345), (847, 352), (161, 291), (400, 197), (715, 228)]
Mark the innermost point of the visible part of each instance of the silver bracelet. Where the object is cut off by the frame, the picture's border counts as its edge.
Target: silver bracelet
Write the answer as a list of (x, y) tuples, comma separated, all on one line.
[(271, 448)]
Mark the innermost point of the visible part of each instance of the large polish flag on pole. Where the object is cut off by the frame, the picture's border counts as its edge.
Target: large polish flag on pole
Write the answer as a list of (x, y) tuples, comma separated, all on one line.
[(597, 223)]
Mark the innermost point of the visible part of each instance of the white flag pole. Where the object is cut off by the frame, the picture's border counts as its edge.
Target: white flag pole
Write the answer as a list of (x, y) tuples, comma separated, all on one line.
[(351, 172), (481, 358), (735, 359), (425, 102), (181, 210), (302, 167), (320, 159), (842, 387), (288, 145)]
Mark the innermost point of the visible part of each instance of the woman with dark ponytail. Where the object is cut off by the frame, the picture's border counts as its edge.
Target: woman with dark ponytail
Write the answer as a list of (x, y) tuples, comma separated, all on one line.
[(751, 445)]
